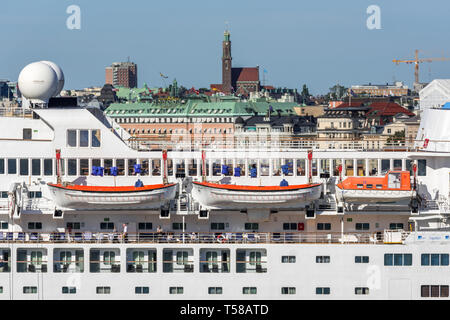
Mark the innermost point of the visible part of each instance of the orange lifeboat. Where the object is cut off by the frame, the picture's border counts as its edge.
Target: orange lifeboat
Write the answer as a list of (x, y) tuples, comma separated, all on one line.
[(393, 189)]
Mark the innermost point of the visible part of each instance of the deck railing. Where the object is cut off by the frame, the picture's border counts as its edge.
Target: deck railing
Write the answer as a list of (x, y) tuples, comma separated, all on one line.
[(216, 238)]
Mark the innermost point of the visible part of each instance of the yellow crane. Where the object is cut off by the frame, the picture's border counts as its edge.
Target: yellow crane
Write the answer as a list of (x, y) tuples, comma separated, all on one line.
[(416, 61)]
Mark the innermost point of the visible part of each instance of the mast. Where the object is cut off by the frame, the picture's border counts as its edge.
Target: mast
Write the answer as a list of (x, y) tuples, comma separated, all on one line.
[(164, 156), (58, 166), (203, 166), (310, 166)]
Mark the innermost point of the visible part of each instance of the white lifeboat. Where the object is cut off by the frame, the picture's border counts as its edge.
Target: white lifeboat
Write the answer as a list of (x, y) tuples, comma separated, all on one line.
[(78, 197), (227, 196)]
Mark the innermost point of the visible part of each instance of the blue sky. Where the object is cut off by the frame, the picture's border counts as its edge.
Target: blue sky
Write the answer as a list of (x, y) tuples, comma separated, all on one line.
[(318, 42)]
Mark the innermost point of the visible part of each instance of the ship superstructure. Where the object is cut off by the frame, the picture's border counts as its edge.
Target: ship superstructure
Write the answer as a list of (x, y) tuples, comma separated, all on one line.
[(86, 215)]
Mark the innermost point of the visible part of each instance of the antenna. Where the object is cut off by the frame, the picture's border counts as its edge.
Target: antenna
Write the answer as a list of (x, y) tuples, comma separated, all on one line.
[(227, 26)]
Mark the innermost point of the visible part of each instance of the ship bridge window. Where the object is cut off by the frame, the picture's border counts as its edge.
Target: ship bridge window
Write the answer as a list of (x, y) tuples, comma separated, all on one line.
[(84, 138)]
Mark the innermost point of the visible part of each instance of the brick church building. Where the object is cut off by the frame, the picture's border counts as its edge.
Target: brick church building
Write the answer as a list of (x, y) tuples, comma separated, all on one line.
[(236, 80)]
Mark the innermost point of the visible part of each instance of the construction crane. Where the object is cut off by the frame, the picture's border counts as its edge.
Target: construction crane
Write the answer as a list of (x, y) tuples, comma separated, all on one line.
[(416, 61)]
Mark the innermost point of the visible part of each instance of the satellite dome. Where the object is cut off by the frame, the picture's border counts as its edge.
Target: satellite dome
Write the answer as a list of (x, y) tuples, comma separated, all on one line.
[(59, 75), (38, 82)]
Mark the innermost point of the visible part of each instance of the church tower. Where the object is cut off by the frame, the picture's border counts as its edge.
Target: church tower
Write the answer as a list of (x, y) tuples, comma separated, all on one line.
[(226, 63)]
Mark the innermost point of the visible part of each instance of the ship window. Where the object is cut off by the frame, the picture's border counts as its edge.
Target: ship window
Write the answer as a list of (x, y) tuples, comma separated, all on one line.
[(362, 226), (373, 167), (145, 226), (359, 186), (84, 138), (216, 167), (34, 225), (141, 290), (36, 167), (396, 226), (363, 290), (397, 164), (34, 194), (322, 259), (23, 167), (131, 163), (103, 290), (385, 166), (217, 226), (2, 166), (336, 164), (264, 167), (421, 167), (69, 290), (3, 225), (361, 167), (369, 186), (379, 186), (251, 226), (12, 166), (107, 163), (324, 226), (29, 289), (144, 167), (287, 259), (215, 290), (73, 225), (249, 290), (106, 225), (288, 290), (176, 290), (72, 167), (434, 291), (289, 226), (26, 134), (84, 167), (320, 290), (48, 167), (178, 226), (192, 167), (95, 136), (120, 164), (72, 138), (156, 167), (361, 259), (301, 167), (349, 167), (434, 259), (398, 259)]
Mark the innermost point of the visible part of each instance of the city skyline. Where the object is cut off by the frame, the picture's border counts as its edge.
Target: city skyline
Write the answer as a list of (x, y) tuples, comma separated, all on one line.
[(318, 44)]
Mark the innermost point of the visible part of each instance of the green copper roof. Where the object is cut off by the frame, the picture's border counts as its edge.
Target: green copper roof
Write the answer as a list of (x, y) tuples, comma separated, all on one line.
[(197, 108)]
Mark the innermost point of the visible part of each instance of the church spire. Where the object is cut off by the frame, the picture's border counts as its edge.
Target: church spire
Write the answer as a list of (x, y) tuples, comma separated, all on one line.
[(226, 63)]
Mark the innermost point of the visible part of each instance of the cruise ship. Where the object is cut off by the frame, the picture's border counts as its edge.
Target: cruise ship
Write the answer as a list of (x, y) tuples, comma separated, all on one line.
[(86, 213)]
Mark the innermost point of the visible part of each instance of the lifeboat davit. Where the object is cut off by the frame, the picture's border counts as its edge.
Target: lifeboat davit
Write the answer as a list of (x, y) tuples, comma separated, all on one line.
[(78, 197), (228, 196), (393, 190)]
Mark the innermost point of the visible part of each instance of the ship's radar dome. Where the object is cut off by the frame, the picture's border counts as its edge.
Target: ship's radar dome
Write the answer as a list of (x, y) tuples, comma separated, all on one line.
[(38, 82), (59, 75)]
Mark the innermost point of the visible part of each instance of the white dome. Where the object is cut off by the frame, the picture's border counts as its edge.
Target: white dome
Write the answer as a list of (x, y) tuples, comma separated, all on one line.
[(59, 75), (38, 82)]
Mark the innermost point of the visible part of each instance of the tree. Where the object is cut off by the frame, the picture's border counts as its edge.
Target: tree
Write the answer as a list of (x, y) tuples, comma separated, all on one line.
[(337, 92), (397, 138)]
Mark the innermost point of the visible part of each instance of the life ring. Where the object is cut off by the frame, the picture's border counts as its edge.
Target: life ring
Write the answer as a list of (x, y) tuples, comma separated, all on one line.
[(221, 238)]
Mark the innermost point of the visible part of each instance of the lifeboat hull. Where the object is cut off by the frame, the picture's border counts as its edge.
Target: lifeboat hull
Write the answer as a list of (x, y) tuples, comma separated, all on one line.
[(388, 198), (112, 198), (218, 196)]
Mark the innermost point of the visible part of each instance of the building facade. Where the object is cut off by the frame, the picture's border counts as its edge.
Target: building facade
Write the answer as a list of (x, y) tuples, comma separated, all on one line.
[(122, 74)]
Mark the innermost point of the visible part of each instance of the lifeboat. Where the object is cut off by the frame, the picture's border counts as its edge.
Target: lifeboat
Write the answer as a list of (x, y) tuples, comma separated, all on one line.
[(393, 190), (78, 197), (227, 196)]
